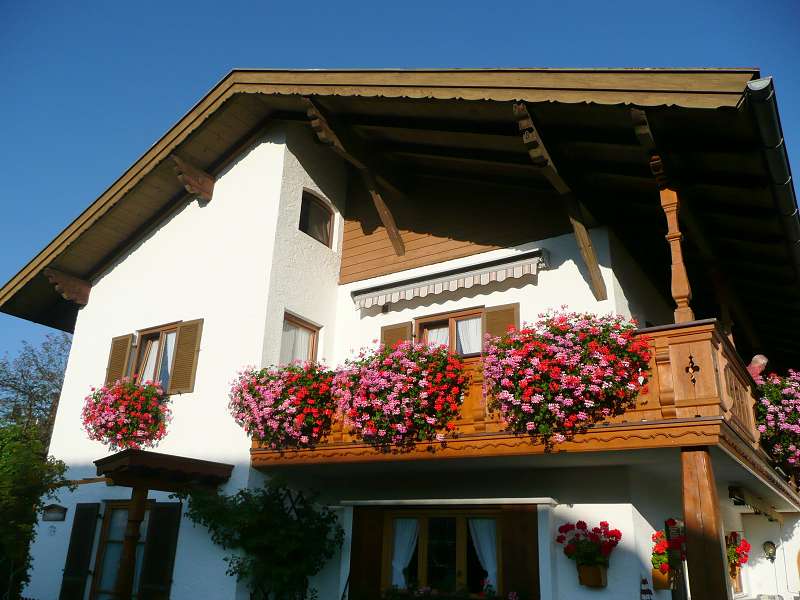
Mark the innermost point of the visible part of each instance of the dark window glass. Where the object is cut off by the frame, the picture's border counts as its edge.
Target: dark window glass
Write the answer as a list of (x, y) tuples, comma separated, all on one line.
[(476, 574), (442, 554), (315, 219)]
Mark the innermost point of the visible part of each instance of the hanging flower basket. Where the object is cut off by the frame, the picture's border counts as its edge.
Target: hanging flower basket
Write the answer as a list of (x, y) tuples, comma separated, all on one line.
[(778, 418), (126, 414), (285, 408), (396, 397), (590, 549), (555, 378), (737, 549)]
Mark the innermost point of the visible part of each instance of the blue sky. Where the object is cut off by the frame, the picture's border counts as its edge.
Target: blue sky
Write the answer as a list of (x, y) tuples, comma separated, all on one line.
[(88, 87)]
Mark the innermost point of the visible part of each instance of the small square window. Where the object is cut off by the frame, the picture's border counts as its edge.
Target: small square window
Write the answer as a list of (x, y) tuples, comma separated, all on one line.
[(316, 218)]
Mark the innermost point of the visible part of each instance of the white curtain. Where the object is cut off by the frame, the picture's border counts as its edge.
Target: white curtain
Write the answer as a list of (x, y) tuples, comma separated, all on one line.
[(468, 336), (295, 343), (149, 371), (405, 541), (166, 359), (439, 336), (484, 538)]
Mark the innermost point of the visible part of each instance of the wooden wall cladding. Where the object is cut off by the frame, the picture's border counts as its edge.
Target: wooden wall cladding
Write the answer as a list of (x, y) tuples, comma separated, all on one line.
[(440, 222)]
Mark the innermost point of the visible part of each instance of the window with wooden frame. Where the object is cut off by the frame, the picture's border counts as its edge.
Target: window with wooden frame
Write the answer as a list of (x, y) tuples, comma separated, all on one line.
[(155, 552), (461, 331), (316, 218), (298, 340), (445, 550), (167, 354)]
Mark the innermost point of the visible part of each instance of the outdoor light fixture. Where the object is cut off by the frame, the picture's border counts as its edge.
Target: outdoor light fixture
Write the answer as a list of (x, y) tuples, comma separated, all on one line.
[(769, 551), (54, 512)]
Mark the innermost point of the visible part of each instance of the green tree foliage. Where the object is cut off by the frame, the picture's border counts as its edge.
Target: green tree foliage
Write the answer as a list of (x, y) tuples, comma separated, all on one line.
[(30, 384), (278, 537), (28, 479)]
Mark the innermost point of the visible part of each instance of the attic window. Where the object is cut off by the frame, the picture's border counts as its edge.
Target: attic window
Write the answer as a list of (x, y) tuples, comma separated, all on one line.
[(316, 218)]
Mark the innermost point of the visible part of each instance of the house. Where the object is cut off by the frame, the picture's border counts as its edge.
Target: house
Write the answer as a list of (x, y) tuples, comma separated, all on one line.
[(304, 214)]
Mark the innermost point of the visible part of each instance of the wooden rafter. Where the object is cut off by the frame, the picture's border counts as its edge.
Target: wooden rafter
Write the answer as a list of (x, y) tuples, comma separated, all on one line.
[(541, 159), (196, 181), (331, 135), (70, 287)]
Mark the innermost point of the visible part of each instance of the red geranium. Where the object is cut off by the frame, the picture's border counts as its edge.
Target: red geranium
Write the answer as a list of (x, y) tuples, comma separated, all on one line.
[(588, 546), (126, 414), (666, 553), (737, 549)]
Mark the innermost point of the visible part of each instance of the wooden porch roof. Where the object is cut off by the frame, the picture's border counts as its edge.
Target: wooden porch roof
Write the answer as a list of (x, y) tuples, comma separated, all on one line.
[(458, 125)]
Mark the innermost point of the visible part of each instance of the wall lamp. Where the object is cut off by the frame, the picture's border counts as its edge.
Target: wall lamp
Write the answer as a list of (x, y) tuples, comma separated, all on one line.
[(769, 551)]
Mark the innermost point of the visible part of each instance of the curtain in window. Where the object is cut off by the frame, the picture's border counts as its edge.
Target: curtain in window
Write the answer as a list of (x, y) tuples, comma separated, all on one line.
[(166, 359), (468, 336), (149, 370), (405, 542), (484, 538), (295, 343), (439, 335)]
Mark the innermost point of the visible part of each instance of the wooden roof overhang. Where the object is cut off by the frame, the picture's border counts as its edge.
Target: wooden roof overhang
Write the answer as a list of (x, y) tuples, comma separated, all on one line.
[(157, 471), (457, 126)]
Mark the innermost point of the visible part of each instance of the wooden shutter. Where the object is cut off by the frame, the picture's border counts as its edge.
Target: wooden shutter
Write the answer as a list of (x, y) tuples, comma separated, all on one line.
[(519, 539), (159, 551), (366, 553), (391, 334), (184, 365), (118, 357), (79, 554), (497, 319)]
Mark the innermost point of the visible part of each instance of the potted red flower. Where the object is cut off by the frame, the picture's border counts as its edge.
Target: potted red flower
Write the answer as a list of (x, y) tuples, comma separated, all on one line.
[(126, 414), (665, 558), (590, 549), (737, 550)]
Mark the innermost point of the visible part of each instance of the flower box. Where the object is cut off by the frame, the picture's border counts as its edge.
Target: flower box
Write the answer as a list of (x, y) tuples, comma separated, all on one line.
[(557, 377), (285, 408), (394, 398), (662, 580), (593, 576)]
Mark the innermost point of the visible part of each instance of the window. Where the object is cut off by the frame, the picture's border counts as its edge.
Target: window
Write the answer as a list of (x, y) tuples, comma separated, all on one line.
[(299, 340), (168, 354), (155, 354), (109, 551), (462, 332), (443, 550), (316, 218)]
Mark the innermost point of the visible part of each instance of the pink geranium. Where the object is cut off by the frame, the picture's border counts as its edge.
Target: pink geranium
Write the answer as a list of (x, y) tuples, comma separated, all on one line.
[(778, 418), (287, 407), (555, 378), (126, 414), (395, 397)]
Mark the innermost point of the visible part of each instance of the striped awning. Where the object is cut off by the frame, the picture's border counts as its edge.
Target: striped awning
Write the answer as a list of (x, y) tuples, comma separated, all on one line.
[(512, 267)]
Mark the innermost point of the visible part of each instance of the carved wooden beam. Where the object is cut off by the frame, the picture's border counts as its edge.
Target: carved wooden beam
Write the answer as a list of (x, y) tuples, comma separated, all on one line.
[(197, 182), (350, 151), (71, 288), (540, 157)]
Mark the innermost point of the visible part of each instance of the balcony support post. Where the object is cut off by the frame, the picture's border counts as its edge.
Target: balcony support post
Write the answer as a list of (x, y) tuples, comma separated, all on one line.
[(681, 290), (123, 586), (705, 545)]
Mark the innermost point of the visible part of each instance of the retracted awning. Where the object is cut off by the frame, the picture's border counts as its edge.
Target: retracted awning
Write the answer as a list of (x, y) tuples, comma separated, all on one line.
[(512, 267)]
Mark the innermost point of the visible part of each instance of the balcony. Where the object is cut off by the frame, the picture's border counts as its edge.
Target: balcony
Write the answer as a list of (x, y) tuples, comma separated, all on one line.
[(699, 394)]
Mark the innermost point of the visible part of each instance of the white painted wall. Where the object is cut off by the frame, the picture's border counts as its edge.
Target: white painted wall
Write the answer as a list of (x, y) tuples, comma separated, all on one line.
[(780, 577), (211, 262)]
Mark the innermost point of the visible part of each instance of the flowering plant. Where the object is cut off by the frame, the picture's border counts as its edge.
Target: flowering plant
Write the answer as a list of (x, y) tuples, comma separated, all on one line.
[(663, 560), (126, 414), (737, 549), (588, 547), (557, 377), (284, 407), (778, 418), (396, 396)]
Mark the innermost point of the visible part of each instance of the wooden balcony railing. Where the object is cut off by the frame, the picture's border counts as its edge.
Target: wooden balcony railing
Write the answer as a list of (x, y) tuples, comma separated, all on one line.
[(696, 374)]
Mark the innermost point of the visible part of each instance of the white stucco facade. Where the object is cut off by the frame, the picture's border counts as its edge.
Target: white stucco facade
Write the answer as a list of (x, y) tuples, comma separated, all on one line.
[(240, 263)]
